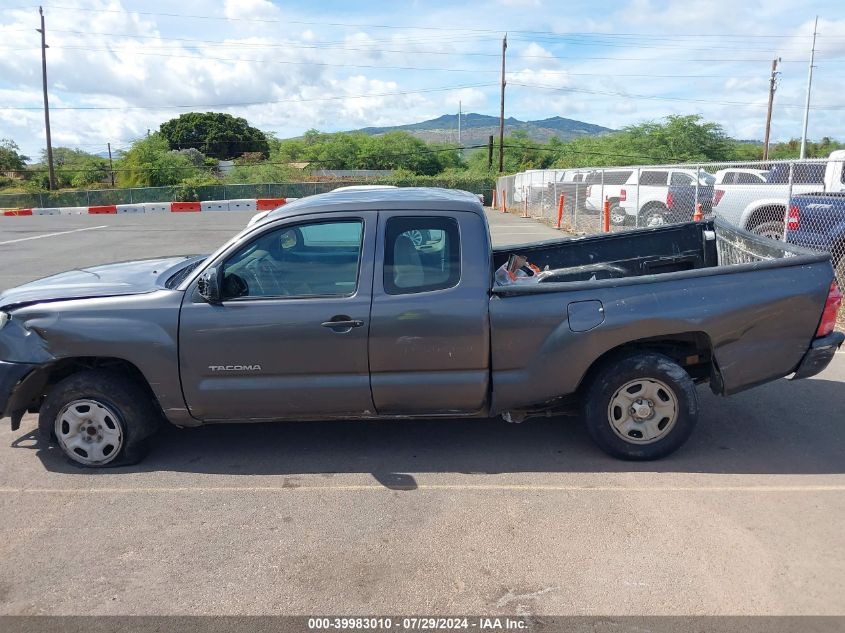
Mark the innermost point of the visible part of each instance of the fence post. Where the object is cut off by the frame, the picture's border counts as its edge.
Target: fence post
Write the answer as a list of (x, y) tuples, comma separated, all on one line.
[(788, 201), (637, 203), (602, 186), (575, 209), (697, 178)]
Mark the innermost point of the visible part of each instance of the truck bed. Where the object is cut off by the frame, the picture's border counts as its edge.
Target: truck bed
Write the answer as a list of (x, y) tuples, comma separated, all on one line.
[(751, 303)]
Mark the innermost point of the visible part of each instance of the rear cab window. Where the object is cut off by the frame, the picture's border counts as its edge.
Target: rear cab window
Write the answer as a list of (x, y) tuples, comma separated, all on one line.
[(654, 177), (421, 254)]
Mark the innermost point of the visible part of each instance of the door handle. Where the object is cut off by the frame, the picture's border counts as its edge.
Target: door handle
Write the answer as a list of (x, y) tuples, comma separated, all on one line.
[(342, 323)]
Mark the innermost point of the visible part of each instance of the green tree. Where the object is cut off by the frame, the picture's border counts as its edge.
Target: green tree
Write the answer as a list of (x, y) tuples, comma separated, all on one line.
[(214, 134), (150, 163), (11, 158), (75, 168)]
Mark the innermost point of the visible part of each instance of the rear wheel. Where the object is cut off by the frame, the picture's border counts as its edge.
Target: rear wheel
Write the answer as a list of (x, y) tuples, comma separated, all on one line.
[(641, 407), (618, 217), (773, 229), (99, 418)]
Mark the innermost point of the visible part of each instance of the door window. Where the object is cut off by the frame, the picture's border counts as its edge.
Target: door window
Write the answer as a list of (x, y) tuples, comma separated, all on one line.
[(319, 259), (421, 254)]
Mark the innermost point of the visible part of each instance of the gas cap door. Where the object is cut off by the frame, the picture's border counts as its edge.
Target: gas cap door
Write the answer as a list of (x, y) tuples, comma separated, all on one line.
[(585, 315)]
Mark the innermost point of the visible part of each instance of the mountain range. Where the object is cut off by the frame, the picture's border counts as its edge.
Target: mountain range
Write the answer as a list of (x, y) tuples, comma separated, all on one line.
[(476, 128)]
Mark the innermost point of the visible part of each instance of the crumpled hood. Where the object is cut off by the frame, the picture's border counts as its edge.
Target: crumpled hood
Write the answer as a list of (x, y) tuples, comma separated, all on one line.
[(125, 278)]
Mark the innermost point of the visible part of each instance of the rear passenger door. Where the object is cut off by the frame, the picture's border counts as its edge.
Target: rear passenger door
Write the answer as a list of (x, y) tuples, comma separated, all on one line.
[(429, 344)]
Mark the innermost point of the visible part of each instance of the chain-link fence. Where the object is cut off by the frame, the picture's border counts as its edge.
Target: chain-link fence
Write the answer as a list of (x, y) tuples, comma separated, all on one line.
[(802, 202), (136, 195)]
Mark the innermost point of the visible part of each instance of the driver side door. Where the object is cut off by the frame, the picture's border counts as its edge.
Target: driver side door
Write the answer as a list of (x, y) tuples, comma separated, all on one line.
[(289, 338)]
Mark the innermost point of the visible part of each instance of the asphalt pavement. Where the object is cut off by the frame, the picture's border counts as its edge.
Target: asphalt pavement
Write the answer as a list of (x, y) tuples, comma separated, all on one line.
[(438, 517)]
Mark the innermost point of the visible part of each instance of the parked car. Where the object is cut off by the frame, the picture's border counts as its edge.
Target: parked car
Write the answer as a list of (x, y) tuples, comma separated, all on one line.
[(605, 183), (760, 208), (817, 221), (328, 309), (662, 196), (740, 176)]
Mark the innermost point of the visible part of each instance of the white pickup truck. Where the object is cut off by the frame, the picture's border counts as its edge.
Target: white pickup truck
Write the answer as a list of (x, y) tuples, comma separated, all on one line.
[(760, 208)]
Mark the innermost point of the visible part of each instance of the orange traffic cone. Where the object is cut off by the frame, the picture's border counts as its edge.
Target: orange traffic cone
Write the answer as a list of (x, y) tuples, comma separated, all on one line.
[(698, 215)]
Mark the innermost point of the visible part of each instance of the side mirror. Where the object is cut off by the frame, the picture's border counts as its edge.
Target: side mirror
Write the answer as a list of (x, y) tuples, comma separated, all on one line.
[(208, 286)]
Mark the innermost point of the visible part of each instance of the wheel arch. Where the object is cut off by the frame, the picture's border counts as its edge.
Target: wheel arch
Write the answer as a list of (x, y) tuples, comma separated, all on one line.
[(764, 212), (52, 373), (691, 350)]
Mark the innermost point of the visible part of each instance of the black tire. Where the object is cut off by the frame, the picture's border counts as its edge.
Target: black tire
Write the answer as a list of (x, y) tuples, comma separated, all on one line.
[(653, 215), (136, 415), (773, 229), (621, 371)]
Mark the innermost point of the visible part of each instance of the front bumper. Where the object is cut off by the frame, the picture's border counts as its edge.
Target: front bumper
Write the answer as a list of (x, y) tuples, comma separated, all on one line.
[(11, 375), (819, 355)]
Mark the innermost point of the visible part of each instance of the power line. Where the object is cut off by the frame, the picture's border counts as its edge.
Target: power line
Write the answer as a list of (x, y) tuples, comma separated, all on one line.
[(666, 98), (400, 27), (254, 103)]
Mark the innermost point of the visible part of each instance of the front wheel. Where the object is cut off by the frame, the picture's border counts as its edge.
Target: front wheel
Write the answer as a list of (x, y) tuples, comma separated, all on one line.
[(641, 407), (99, 418), (653, 216)]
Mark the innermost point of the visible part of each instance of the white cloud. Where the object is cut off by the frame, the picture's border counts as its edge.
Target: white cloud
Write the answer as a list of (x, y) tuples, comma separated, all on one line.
[(272, 52)]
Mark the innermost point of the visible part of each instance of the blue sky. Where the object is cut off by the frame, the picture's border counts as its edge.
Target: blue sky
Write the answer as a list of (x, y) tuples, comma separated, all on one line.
[(118, 68)]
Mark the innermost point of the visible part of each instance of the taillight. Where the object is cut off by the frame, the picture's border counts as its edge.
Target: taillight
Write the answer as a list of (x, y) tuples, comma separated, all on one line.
[(717, 195), (793, 218), (623, 195), (669, 200), (831, 308)]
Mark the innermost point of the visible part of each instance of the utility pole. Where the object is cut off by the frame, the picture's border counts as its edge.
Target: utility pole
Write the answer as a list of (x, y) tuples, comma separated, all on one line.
[(43, 32), (490, 153), (111, 166), (502, 110), (809, 85), (772, 87)]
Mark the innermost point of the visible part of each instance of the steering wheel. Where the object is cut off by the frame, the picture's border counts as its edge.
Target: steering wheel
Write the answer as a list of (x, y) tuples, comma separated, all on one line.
[(265, 274)]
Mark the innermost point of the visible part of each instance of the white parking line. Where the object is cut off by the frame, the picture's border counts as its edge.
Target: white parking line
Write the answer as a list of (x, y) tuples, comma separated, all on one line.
[(38, 237)]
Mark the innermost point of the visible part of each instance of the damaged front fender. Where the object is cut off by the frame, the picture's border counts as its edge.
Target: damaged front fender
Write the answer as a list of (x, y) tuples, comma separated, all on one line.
[(19, 384)]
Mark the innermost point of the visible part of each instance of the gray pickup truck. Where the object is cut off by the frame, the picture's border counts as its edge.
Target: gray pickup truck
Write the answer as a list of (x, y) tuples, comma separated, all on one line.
[(383, 304)]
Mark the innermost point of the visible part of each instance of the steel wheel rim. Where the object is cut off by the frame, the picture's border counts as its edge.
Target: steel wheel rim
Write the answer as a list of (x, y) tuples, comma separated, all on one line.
[(617, 216), (89, 432), (654, 218), (643, 411)]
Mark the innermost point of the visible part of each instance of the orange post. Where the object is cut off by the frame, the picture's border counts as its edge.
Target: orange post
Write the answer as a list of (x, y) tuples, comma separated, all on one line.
[(493, 204), (606, 216), (560, 211), (504, 202), (698, 215)]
